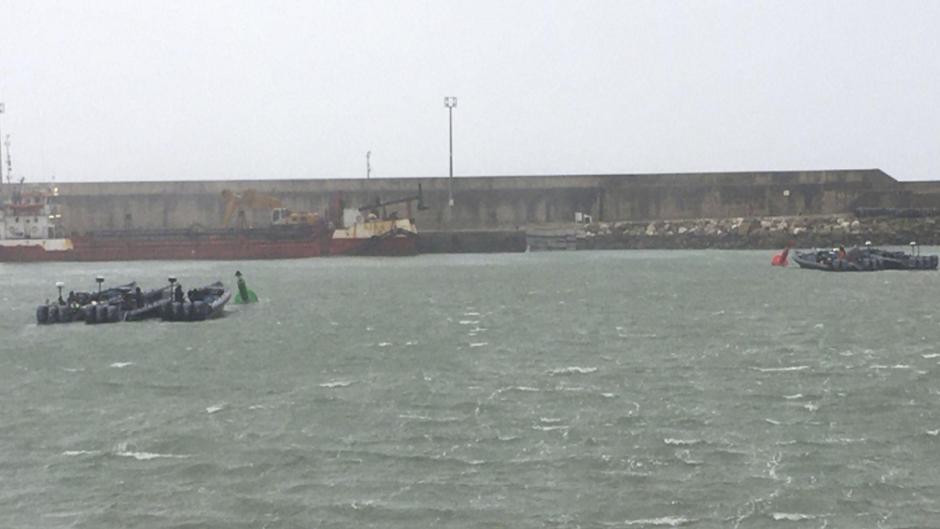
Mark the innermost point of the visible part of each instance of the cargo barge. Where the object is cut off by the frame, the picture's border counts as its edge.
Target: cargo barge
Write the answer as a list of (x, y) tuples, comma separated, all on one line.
[(30, 231)]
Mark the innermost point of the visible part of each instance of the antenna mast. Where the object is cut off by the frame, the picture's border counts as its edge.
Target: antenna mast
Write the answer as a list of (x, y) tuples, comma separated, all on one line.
[(9, 161)]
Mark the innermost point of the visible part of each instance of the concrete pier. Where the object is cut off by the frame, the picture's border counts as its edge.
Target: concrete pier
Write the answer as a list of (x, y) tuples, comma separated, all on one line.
[(489, 204)]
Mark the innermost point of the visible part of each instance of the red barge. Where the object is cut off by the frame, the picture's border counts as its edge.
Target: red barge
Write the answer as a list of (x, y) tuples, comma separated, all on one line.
[(30, 232)]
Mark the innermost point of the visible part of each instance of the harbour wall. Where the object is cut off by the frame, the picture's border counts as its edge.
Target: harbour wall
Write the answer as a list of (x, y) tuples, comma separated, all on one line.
[(487, 204)]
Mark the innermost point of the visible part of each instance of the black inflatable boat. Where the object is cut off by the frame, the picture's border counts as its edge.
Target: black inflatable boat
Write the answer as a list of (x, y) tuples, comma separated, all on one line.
[(203, 304), (864, 260)]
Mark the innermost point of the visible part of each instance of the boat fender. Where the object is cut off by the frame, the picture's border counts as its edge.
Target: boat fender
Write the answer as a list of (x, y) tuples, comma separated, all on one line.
[(167, 312), (42, 314), (66, 315), (187, 312), (934, 261), (177, 311), (200, 311), (53, 314), (101, 314), (114, 314)]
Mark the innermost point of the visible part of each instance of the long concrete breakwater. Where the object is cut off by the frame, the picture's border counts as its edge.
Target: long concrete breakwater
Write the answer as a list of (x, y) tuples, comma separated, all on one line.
[(504, 203), (490, 213)]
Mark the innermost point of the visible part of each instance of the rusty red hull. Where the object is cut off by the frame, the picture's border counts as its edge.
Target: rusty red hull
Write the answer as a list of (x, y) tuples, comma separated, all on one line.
[(168, 249), (211, 248)]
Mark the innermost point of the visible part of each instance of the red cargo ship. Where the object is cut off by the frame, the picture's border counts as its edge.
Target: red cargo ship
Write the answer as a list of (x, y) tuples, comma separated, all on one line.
[(29, 229)]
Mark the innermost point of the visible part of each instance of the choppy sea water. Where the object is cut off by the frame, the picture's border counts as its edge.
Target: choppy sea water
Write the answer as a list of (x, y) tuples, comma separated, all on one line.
[(587, 389)]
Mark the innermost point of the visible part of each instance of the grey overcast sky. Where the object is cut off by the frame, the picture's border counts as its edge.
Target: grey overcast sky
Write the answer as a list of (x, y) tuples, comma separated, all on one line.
[(236, 89)]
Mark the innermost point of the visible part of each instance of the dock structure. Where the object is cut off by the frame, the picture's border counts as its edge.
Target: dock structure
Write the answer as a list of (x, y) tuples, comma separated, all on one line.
[(503, 204)]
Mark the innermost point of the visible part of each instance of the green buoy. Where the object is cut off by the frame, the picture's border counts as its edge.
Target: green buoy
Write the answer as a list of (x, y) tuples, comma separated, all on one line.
[(245, 294)]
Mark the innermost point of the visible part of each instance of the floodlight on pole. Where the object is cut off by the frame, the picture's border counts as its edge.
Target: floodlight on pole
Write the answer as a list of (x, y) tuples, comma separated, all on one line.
[(450, 102)]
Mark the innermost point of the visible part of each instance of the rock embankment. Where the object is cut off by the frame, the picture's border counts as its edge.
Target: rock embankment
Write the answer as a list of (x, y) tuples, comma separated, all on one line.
[(758, 233)]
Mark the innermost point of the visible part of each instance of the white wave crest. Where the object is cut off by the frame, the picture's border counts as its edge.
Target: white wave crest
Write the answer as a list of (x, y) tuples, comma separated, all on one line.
[(671, 521), (791, 517), (479, 344), (147, 456), (794, 396), (681, 442), (336, 384), (780, 369), (119, 365), (216, 408), (549, 428), (80, 452), (572, 370)]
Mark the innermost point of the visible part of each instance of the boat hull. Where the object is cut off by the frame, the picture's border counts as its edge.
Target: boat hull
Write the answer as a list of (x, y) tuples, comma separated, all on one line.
[(867, 261), (230, 249), (389, 246)]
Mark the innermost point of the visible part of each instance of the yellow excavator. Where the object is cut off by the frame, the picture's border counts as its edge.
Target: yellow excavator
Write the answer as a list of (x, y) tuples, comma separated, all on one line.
[(251, 199)]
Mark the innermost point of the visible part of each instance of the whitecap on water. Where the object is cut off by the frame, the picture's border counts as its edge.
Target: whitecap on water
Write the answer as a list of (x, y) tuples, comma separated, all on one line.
[(682, 442), (336, 384), (667, 521), (572, 370), (549, 428), (811, 406), (779, 369), (469, 322), (122, 450), (80, 452), (147, 456), (119, 365), (794, 396), (931, 355), (479, 344), (934, 432), (384, 344), (791, 517), (216, 408)]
